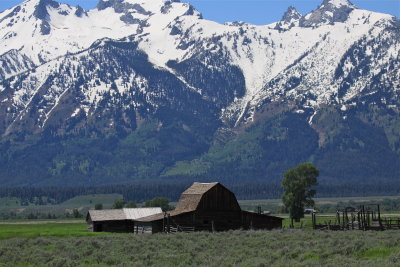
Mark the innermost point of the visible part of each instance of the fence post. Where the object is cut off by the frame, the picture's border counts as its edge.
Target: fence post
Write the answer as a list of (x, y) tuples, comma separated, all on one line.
[(313, 220), (168, 226), (163, 222), (379, 217), (364, 219)]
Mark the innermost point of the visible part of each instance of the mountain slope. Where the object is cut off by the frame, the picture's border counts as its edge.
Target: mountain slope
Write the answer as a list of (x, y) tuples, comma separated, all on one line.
[(166, 94)]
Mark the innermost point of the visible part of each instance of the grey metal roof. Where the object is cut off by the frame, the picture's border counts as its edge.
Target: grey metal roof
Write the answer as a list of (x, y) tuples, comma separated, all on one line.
[(137, 213), (121, 214)]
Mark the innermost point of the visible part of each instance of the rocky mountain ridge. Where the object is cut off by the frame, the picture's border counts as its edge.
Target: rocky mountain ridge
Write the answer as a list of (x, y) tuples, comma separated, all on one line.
[(68, 73)]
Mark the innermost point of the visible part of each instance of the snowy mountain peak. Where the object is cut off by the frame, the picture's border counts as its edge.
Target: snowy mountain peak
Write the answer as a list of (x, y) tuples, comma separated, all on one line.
[(291, 13), (41, 8), (337, 3), (290, 19), (80, 12), (141, 6), (329, 12)]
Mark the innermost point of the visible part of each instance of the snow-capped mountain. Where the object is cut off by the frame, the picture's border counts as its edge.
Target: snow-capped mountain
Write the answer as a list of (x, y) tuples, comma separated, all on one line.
[(65, 70), (290, 19)]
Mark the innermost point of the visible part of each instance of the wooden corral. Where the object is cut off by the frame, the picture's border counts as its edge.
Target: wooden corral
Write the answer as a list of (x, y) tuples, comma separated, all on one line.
[(118, 220), (209, 207), (366, 217)]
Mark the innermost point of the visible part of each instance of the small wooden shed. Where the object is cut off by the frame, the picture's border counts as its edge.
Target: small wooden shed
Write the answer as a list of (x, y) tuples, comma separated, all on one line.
[(209, 207), (118, 220)]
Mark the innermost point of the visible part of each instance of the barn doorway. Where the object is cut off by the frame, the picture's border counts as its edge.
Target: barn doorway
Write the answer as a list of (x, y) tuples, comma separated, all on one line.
[(98, 228)]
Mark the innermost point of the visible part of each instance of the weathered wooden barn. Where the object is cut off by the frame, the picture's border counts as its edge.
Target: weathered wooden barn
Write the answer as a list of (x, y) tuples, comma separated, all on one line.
[(118, 220), (209, 207)]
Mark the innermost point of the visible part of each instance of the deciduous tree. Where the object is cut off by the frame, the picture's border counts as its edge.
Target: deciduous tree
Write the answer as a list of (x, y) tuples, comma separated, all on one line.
[(119, 204), (159, 202), (297, 184), (131, 204)]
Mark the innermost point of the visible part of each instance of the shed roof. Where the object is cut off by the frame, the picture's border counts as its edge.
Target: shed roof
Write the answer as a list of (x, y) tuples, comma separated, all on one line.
[(160, 216), (133, 214), (122, 214)]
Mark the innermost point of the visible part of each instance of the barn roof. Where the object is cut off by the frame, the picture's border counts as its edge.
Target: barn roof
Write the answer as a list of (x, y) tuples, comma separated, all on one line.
[(191, 197), (189, 201), (122, 214), (199, 188)]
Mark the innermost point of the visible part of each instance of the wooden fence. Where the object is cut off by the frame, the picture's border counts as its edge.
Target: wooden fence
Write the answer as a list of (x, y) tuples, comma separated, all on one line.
[(362, 218)]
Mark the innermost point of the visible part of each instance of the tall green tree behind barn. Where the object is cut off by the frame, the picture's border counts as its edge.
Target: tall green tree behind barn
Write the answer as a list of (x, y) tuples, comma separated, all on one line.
[(297, 183)]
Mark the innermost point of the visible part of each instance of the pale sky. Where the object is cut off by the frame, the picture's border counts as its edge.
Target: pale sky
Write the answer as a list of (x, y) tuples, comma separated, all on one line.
[(253, 11)]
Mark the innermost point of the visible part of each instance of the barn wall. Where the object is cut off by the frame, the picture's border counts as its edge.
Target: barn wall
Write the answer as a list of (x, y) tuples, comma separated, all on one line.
[(259, 221), (217, 220), (124, 226), (218, 198), (220, 221), (157, 226)]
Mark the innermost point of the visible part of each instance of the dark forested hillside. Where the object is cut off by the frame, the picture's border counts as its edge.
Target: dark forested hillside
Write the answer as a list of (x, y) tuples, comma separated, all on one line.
[(362, 148)]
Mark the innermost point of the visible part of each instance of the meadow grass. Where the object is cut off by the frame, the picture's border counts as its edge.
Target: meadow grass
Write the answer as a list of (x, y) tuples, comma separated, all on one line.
[(322, 204), (232, 248), (43, 229), (83, 203), (9, 202), (77, 228)]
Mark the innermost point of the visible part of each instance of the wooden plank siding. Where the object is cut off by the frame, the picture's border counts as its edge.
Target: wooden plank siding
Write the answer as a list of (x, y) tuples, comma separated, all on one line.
[(218, 198), (219, 221), (126, 226)]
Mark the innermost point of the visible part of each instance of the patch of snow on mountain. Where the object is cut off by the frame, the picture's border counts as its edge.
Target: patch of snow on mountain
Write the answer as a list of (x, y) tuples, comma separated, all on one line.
[(76, 112), (305, 49), (69, 33), (338, 3)]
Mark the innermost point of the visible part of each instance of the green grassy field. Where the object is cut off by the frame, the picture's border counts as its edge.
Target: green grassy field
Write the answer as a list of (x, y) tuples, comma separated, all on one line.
[(67, 242), (11, 208), (327, 205), (34, 229), (77, 228), (320, 200), (90, 200), (69, 245), (9, 202)]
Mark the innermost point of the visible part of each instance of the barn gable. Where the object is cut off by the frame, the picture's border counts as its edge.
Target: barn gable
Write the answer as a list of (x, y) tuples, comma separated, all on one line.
[(207, 196)]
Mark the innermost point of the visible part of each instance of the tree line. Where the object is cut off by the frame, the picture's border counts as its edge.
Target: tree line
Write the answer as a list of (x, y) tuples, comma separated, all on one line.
[(142, 192)]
